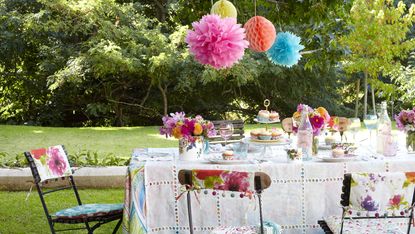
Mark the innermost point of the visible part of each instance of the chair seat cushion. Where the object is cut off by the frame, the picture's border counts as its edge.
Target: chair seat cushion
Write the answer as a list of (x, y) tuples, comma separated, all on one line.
[(367, 226), (89, 210)]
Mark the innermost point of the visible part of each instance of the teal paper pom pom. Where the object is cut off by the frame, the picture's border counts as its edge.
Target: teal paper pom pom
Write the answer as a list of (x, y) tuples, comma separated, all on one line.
[(286, 49)]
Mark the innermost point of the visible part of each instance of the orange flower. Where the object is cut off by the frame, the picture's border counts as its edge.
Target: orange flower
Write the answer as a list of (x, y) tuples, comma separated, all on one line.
[(410, 176), (296, 115), (323, 113), (198, 129), (176, 132)]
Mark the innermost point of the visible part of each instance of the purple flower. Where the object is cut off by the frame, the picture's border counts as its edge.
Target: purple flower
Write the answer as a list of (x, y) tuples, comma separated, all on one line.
[(369, 204), (56, 162), (301, 107), (405, 120), (234, 181)]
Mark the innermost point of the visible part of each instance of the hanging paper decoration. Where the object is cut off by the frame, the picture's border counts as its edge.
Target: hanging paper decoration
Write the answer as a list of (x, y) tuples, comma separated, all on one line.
[(286, 49), (217, 42), (224, 9), (260, 33)]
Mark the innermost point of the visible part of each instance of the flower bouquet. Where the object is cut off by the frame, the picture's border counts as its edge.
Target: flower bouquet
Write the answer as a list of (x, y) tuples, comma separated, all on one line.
[(405, 121), (319, 119), (189, 131)]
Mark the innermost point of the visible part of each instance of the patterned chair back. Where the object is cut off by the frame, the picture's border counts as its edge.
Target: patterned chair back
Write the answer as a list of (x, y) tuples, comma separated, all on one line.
[(226, 180), (49, 163), (375, 195), (247, 183)]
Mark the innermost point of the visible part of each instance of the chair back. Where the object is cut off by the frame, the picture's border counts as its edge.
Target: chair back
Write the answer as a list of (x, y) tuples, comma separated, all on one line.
[(48, 163), (375, 195), (51, 164), (245, 182)]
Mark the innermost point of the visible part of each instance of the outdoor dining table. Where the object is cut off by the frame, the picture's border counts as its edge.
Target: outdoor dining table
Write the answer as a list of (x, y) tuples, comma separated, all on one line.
[(300, 193)]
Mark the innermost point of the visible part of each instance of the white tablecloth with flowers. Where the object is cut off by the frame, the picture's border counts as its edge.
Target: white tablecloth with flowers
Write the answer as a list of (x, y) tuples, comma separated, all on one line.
[(300, 194)]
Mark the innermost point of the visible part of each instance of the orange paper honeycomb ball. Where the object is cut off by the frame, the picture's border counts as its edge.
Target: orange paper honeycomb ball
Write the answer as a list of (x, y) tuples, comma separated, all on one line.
[(260, 33)]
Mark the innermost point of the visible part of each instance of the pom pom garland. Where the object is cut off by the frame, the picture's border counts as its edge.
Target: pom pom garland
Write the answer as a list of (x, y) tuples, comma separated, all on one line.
[(217, 42), (260, 33), (286, 49), (224, 9)]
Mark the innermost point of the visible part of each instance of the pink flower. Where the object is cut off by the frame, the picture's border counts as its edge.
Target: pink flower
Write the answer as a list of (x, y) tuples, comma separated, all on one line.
[(234, 181), (56, 163), (395, 201), (217, 42), (317, 122)]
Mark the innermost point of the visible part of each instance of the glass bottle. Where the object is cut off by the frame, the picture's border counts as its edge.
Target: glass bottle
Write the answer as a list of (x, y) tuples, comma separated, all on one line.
[(305, 135), (384, 131)]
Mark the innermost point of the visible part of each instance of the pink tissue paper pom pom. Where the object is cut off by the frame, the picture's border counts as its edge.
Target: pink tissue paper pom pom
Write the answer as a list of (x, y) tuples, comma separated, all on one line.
[(217, 42)]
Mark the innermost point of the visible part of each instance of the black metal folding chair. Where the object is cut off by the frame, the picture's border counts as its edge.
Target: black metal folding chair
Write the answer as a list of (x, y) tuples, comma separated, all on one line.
[(186, 177), (335, 224), (51, 164)]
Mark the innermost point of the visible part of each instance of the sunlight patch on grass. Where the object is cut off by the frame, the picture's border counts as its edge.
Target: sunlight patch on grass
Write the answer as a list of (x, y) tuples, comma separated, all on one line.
[(37, 131)]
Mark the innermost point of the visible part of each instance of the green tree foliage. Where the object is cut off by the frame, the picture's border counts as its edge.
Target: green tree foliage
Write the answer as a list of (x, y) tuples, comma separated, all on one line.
[(107, 62), (378, 40)]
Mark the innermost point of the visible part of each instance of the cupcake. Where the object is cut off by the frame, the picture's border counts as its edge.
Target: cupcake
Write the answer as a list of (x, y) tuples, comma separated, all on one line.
[(275, 134), (227, 155), (337, 152), (274, 116), (254, 134), (263, 115), (265, 135)]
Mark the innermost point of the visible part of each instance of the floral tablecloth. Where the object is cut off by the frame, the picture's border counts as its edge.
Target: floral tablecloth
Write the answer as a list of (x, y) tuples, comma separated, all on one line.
[(300, 194)]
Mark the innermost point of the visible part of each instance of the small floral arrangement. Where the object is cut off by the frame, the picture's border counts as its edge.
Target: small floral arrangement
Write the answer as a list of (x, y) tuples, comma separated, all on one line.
[(318, 117), (179, 126), (294, 154), (405, 120)]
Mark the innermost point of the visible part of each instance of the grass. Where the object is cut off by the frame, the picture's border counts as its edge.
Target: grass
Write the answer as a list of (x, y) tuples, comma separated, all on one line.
[(18, 215), (104, 140)]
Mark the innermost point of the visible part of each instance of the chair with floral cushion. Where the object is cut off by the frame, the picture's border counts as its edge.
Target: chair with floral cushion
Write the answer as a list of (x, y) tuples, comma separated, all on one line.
[(51, 164), (247, 183), (374, 203)]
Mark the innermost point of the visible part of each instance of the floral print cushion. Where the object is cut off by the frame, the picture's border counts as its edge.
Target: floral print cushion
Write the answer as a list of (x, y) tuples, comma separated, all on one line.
[(89, 210), (223, 180), (379, 194), (51, 163), (367, 226)]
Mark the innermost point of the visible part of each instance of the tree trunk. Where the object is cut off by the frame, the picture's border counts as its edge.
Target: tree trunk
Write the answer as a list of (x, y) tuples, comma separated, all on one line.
[(164, 94), (365, 98), (356, 108), (373, 99)]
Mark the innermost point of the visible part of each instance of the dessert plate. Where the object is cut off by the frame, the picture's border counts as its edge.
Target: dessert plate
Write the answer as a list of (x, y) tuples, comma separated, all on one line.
[(282, 141), (339, 159), (269, 121), (223, 161)]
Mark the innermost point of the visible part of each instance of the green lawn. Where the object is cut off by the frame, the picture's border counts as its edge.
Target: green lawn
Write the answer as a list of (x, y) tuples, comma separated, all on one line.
[(104, 140), (20, 216)]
